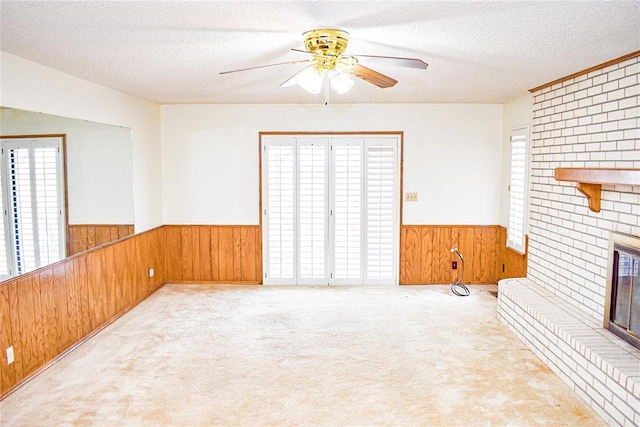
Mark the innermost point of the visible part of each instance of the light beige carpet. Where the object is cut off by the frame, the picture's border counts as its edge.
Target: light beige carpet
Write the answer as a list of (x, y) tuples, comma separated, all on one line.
[(284, 356)]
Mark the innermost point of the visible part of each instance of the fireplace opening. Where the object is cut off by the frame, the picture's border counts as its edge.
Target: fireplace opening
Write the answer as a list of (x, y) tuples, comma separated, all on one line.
[(622, 309)]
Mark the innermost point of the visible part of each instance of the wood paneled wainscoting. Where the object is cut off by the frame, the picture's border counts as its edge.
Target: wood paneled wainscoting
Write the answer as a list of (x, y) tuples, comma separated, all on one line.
[(233, 254), (81, 237), (46, 313), (425, 254), (214, 254), (511, 263)]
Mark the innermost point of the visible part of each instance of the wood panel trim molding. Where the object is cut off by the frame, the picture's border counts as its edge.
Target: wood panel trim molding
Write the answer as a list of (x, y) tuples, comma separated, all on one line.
[(450, 225), (216, 282), (330, 133), (587, 71)]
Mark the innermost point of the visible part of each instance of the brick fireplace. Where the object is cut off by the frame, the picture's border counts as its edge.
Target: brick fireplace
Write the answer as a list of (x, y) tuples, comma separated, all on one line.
[(622, 303), (589, 121)]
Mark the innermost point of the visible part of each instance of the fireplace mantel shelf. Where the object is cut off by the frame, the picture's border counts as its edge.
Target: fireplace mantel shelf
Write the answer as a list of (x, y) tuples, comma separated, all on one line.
[(590, 180)]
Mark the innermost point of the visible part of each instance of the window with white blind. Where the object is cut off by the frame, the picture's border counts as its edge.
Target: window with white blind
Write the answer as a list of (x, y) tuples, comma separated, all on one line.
[(341, 201), (32, 204), (5, 270), (518, 189)]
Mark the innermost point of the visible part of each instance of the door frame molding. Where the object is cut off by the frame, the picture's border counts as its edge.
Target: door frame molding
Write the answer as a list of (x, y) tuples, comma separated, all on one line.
[(398, 134)]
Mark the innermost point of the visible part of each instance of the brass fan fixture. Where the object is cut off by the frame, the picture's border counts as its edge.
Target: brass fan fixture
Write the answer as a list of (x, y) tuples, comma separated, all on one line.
[(330, 65)]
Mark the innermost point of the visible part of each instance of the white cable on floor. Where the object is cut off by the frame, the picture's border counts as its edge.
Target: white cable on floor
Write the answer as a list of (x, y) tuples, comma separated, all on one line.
[(458, 288)]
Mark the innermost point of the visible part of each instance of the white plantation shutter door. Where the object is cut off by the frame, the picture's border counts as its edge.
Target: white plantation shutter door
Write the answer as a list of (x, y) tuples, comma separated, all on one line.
[(381, 206), (312, 210), (347, 206), (279, 210), (330, 210), (33, 181), (517, 189)]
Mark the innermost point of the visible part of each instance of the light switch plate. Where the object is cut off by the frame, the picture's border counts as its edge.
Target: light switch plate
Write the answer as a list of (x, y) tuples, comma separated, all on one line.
[(411, 197)]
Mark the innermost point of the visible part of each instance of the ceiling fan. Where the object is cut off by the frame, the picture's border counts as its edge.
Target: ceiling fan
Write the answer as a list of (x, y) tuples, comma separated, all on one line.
[(330, 66)]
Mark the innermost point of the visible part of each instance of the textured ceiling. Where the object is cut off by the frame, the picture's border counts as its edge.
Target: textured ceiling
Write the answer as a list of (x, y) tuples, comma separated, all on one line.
[(172, 51)]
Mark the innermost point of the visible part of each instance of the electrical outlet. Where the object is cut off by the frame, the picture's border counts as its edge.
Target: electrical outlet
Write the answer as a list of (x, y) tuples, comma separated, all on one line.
[(152, 272), (10, 356), (454, 265), (411, 197)]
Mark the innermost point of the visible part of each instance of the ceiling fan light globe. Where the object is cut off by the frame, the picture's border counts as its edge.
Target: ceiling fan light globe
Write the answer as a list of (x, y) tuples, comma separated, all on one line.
[(341, 82), (310, 79)]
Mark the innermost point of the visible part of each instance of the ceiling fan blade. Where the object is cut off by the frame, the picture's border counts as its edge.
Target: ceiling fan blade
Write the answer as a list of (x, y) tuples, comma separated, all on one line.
[(396, 61), (327, 55), (291, 81), (371, 76), (301, 50), (266, 66)]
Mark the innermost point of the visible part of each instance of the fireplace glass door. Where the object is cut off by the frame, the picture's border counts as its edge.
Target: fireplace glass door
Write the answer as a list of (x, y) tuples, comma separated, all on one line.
[(625, 298)]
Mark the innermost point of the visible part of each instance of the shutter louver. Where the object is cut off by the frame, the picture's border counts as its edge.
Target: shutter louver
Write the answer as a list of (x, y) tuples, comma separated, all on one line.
[(312, 212), (280, 207), (347, 212), (380, 211), (517, 190)]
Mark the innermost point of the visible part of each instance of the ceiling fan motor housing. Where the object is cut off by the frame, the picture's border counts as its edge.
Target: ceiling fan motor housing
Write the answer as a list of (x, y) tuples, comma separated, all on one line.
[(327, 44)]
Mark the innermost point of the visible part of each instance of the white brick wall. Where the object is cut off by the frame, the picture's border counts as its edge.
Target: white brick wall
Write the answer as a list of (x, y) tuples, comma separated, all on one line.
[(590, 121)]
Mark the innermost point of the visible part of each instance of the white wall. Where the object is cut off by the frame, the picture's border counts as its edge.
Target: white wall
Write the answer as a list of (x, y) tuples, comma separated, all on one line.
[(452, 157), (98, 164), (30, 86), (517, 113)]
